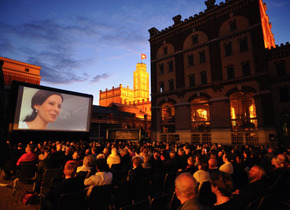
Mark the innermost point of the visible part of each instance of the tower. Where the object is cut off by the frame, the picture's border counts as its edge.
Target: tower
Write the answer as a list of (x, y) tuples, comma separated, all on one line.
[(141, 82)]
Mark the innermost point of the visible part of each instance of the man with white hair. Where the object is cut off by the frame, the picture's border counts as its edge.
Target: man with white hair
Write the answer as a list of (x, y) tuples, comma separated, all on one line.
[(186, 192), (255, 189)]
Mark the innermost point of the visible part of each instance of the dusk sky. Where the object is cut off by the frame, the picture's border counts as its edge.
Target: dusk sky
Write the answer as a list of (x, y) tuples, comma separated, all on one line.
[(90, 45)]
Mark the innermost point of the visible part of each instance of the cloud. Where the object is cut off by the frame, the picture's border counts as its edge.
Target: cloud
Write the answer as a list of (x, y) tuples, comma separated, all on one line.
[(98, 78), (67, 50)]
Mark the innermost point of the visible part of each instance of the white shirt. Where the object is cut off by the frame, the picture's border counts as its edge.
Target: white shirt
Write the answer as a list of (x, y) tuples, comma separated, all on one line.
[(83, 168), (100, 178), (23, 125), (227, 168)]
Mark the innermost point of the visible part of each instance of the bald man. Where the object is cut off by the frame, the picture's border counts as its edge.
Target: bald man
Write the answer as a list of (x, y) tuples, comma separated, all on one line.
[(186, 192)]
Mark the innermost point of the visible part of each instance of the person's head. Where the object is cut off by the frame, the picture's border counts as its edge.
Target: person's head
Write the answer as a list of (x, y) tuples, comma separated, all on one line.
[(172, 154), (70, 169), (29, 148), (46, 153), (212, 163), (101, 165), (101, 156), (221, 182), (256, 173), (202, 165), (181, 152), (226, 157), (239, 158), (75, 155), (46, 105), (88, 161), (190, 160), (136, 161), (185, 187), (106, 151), (114, 151), (279, 161)]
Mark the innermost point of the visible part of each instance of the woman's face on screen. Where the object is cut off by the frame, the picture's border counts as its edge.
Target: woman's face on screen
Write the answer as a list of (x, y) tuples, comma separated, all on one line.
[(50, 109)]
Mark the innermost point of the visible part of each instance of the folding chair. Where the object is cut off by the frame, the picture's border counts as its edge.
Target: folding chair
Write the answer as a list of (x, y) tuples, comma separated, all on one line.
[(26, 174), (100, 197), (72, 201), (49, 175), (160, 202)]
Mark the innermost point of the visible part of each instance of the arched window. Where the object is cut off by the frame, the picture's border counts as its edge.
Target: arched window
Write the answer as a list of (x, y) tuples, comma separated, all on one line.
[(243, 111), (168, 112), (168, 118), (200, 115)]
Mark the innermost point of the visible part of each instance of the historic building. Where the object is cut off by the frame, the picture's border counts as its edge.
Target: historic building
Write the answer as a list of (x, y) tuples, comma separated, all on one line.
[(136, 97), (214, 77), (279, 69), (20, 71)]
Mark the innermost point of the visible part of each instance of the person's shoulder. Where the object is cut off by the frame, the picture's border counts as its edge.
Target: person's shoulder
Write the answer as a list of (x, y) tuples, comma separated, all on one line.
[(23, 125)]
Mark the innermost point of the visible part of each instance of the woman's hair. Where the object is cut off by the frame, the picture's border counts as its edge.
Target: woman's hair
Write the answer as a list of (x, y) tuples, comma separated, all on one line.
[(223, 182), (38, 99), (89, 161)]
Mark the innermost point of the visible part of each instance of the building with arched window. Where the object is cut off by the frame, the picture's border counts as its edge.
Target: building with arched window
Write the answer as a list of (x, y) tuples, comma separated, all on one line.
[(216, 77)]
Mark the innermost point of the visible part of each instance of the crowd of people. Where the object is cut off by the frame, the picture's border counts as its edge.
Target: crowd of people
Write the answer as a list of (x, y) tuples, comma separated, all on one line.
[(207, 176)]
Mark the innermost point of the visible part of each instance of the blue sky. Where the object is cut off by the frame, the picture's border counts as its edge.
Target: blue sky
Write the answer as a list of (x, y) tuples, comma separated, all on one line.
[(90, 45)]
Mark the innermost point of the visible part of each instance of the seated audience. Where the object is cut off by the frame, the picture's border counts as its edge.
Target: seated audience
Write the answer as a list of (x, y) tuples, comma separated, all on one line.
[(61, 186), (254, 190), (137, 172), (227, 167), (88, 163), (113, 158), (201, 175), (101, 177), (222, 186), (186, 192), (190, 165), (212, 165), (29, 156)]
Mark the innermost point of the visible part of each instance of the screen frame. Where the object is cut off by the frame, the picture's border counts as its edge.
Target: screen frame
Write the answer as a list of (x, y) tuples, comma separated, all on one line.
[(14, 110)]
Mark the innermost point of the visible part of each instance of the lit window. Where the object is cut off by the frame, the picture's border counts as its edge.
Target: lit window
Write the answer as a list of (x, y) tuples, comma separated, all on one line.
[(200, 116), (243, 111), (168, 118)]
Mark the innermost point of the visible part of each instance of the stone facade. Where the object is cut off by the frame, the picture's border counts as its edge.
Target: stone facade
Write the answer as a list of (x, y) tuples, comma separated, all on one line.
[(138, 96), (20, 71), (210, 79)]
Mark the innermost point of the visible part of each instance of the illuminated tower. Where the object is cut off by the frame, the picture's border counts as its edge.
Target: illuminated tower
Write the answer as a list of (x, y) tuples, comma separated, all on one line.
[(141, 82)]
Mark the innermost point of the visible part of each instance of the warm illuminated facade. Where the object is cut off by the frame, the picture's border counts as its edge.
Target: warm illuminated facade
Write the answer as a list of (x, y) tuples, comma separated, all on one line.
[(138, 96), (210, 80), (20, 71)]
